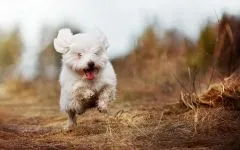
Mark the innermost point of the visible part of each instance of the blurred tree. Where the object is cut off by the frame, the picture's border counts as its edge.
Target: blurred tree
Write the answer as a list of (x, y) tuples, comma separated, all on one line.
[(202, 56), (147, 50), (227, 50), (175, 43), (9, 49), (9, 52)]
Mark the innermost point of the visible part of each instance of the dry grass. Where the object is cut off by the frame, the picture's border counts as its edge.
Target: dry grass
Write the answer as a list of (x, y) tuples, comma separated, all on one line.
[(30, 120), (225, 93), (35, 121)]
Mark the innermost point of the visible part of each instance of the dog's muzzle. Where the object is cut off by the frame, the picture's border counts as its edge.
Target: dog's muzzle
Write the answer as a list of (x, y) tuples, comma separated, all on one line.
[(90, 73)]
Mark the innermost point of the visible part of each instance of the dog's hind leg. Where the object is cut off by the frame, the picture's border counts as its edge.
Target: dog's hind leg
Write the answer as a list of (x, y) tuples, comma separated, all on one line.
[(72, 120)]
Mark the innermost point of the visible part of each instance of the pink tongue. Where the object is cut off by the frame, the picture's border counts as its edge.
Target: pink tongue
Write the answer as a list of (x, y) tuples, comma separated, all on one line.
[(90, 75)]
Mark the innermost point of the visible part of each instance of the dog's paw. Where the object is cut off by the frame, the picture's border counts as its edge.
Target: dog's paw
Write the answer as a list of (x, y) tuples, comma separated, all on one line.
[(88, 93), (76, 106), (83, 94), (102, 107), (102, 110), (80, 110), (69, 127)]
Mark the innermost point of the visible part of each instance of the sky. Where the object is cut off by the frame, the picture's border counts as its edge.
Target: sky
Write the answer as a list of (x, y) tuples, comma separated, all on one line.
[(120, 20)]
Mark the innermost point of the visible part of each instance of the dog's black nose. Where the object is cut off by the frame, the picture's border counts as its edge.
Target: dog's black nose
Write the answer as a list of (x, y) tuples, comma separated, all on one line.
[(91, 64)]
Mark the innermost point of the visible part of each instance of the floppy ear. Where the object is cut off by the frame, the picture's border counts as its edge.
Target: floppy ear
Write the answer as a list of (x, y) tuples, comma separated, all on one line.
[(102, 37), (63, 41)]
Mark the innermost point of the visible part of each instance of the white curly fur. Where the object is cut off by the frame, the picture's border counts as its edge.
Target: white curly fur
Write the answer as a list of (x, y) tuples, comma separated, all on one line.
[(76, 89)]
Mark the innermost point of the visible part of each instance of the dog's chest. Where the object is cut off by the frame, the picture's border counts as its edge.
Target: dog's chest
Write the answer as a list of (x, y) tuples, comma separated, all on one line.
[(97, 85)]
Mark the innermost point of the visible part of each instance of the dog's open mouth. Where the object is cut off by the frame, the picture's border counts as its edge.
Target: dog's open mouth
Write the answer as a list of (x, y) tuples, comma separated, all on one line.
[(90, 73)]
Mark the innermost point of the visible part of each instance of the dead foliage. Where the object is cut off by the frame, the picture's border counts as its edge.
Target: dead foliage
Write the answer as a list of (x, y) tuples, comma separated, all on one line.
[(225, 93)]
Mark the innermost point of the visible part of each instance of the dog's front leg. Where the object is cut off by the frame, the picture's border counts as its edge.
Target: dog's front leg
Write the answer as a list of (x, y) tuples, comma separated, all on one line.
[(83, 95), (106, 94)]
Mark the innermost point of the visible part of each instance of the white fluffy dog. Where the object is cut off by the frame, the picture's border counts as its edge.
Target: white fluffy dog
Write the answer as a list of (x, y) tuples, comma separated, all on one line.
[(87, 78)]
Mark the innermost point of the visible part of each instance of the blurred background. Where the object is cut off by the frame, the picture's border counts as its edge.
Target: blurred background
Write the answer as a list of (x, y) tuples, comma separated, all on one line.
[(146, 34)]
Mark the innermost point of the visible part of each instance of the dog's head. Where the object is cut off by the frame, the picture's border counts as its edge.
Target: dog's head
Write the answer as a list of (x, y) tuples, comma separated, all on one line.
[(84, 53)]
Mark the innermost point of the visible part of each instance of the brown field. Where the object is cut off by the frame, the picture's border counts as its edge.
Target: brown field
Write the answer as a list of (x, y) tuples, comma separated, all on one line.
[(138, 119)]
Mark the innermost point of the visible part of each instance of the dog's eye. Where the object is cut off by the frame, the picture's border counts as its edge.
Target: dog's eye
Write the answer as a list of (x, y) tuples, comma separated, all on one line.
[(97, 53), (79, 54)]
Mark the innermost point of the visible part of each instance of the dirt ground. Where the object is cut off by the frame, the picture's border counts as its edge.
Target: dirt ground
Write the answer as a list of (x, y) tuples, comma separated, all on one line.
[(30, 119)]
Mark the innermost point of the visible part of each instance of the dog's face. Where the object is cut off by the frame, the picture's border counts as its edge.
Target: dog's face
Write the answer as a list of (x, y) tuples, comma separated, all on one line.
[(85, 53)]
